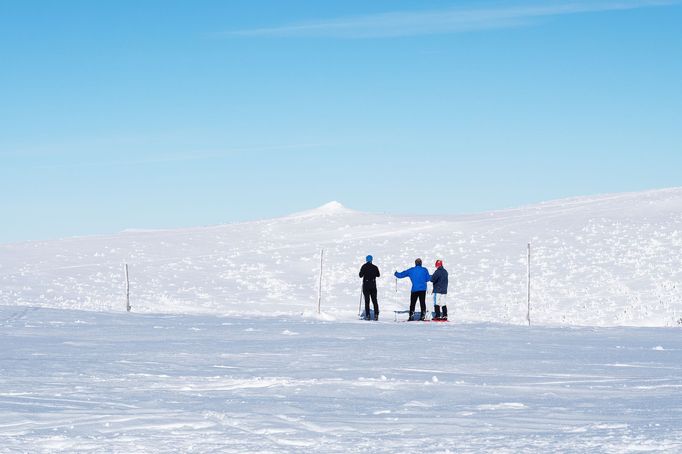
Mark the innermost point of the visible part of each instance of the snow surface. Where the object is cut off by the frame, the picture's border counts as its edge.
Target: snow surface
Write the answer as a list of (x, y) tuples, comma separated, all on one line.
[(74, 381), (224, 350)]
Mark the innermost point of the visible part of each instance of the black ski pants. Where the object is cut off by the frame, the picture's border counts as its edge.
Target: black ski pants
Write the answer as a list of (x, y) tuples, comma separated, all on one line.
[(422, 302), (370, 293)]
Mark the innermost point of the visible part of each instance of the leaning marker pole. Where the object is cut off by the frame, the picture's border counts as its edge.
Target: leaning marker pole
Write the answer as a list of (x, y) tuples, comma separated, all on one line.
[(528, 289), (360, 303), (319, 290), (125, 268)]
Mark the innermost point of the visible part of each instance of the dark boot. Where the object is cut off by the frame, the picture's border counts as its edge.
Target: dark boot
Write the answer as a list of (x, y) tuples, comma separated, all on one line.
[(367, 316), (376, 316), (445, 313), (437, 310), (410, 317)]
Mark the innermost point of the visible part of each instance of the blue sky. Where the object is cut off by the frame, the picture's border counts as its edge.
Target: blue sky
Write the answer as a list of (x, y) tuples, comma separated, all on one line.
[(163, 114)]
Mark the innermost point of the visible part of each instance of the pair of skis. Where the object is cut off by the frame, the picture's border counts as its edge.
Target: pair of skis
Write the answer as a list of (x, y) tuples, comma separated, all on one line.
[(429, 319)]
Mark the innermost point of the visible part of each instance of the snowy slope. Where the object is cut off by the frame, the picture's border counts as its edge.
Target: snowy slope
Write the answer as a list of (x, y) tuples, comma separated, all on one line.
[(604, 260)]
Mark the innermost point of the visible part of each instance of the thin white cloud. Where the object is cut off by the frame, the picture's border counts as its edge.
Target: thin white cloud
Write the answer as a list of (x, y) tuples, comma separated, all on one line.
[(452, 20), (223, 153)]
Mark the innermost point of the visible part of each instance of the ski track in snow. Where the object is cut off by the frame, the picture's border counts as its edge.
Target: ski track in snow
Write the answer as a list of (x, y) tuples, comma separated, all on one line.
[(76, 381)]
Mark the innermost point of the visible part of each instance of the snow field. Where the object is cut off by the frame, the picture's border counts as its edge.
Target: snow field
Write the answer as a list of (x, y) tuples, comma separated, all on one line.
[(74, 381)]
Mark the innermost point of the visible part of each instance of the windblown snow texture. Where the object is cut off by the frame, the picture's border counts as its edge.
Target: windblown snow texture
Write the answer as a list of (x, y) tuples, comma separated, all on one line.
[(73, 381)]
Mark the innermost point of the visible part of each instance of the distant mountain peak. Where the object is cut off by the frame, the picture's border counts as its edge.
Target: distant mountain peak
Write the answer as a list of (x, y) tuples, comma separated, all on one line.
[(332, 208)]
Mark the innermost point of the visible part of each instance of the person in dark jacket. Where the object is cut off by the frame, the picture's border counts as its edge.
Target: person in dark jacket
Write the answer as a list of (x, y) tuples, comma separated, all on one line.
[(440, 290), (369, 273), (420, 278)]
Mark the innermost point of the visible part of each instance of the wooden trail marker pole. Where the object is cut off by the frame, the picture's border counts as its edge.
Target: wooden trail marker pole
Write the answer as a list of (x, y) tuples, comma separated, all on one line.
[(319, 290), (528, 289)]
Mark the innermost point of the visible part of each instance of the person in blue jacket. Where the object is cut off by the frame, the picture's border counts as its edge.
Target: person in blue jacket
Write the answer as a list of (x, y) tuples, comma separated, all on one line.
[(420, 278)]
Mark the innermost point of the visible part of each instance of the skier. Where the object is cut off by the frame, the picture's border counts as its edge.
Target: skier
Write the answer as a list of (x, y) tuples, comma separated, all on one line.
[(440, 290), (419, 277), (369, 273)]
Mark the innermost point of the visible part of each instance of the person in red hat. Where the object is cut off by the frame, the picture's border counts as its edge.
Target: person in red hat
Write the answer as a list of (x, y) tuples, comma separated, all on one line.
[(440, 291)]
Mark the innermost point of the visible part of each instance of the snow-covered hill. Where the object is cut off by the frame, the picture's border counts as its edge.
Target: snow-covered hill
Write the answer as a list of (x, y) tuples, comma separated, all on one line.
[(604, 260), (209, 381)]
